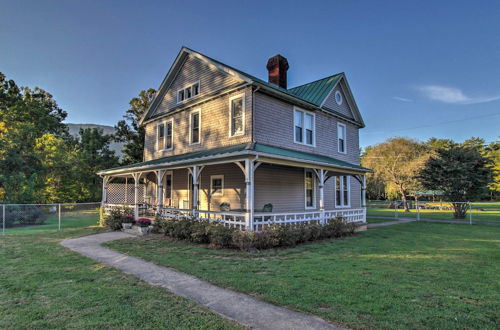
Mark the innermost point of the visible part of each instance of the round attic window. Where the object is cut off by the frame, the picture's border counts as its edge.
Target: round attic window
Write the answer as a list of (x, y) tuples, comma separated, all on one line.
[(338, 97)]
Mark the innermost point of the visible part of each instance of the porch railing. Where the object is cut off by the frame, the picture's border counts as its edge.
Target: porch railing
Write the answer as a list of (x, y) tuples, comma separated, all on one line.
[(260, 219)]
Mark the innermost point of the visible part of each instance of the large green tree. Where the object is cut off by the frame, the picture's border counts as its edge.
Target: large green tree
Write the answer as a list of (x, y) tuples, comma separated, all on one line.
[(25, 116), (94, 155), (396, 162), (461, 173), (128, 129)]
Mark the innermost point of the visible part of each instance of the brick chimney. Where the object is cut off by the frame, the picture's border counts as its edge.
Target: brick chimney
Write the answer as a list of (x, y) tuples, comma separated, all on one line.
[(277, 67)]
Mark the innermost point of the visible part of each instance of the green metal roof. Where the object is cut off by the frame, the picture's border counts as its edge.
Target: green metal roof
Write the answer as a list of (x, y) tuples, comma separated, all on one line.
[(305, 156), (315, 92), (183, 157), (232, 150)]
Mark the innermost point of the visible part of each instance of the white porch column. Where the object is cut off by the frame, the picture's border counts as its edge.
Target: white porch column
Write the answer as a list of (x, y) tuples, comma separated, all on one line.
[(159, 202), (321, 185), (136, 177), (105, 182), (195, 174), (249, 193), (363, 196)]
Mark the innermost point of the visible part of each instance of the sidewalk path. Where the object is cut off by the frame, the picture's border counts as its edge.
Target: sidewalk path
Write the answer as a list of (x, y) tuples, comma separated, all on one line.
[(246, 310)]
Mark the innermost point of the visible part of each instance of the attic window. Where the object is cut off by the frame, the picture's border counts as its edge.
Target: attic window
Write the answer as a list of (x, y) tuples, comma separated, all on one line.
[(338, 97), (188, 92)]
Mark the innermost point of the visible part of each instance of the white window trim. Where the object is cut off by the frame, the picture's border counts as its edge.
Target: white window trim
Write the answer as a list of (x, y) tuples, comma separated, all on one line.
[(191, 124), (342, 206), (338, 92), (191, 87), (313, 189), (242, 95), (345, 138), (212, 177), (296, 109), (164, 122)]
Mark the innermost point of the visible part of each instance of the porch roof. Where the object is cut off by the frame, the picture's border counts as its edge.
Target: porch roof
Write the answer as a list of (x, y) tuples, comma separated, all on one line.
[(240, 150)]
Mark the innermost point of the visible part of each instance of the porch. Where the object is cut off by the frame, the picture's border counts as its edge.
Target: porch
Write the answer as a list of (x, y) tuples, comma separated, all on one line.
[(246, 190)]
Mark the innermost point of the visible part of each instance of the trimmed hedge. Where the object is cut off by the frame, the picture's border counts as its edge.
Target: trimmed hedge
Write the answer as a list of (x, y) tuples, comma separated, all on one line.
[(219, 236)]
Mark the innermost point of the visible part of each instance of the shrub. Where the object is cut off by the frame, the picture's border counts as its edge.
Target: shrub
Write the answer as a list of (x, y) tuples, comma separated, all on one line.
[(243, 240), (31, 215), (199, 232), (266, 239), (143, 222), (220, 236), (114, 219)]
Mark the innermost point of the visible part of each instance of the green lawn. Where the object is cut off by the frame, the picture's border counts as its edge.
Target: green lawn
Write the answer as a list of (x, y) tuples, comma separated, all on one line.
[(480, 212), (77, 220), (44, 285), (413, 275), (378, 220)]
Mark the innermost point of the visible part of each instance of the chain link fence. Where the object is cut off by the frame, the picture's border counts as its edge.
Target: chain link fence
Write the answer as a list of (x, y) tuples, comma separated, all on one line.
[(432, 210), (27, 218)]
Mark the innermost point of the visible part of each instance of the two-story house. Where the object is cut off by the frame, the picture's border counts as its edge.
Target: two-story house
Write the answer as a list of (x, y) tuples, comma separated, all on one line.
[(223, 144)]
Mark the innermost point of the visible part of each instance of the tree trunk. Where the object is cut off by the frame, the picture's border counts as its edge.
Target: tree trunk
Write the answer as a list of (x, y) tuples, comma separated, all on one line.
[(460, 210), (403, 197)]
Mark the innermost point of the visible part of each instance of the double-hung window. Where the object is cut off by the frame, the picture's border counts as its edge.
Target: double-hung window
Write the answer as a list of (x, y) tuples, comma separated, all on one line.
[(217, 185), (304, 127), (341, 138), (342, 191), (194, 127), (164, 133), (188, 92), (309, 186), (236, 109)]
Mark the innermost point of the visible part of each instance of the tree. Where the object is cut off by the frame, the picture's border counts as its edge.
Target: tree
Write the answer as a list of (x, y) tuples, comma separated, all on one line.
[(461, 173), (25, 116), (94, 155), (397, 161), (129, 131), (492, 152)]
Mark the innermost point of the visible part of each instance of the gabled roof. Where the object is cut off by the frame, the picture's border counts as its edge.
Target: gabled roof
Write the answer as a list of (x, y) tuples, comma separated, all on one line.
[(312, 94), (234, 151), (316, 92)]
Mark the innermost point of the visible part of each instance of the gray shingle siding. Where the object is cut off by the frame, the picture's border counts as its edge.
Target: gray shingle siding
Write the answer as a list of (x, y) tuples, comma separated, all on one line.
[(274, 125), (343, 108)]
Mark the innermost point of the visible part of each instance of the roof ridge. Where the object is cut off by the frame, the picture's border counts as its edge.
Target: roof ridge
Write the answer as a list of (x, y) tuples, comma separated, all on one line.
[(317, 80)]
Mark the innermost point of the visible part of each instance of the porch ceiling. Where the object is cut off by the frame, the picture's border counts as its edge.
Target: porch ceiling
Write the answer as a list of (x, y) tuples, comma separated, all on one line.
[(264, 153)]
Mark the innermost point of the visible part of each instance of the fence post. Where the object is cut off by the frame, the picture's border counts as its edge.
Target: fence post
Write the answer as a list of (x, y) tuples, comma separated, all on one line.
[(3, 219), (418, 210), (59, 215), (470, 213)]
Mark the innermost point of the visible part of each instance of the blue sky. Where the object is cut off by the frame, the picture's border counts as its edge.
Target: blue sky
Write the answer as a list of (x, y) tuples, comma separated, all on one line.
[(416, 68)]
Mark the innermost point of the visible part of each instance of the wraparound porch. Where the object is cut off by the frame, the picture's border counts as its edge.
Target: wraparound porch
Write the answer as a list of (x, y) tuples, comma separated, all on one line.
[(248, 190)]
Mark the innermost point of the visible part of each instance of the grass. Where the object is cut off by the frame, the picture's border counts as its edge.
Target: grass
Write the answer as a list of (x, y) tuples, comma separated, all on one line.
[(44, 285), (413, 275), (378, 220), (488, 211), (77, 220)]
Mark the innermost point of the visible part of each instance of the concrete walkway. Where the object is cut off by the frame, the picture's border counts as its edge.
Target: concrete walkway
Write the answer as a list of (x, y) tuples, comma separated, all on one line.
[(236, 306), (389, 223)]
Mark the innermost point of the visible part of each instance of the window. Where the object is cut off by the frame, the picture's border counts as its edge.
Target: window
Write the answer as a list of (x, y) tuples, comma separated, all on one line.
[(168, 185), (194, 124), (160, 136), (237, 109), (217, 185), (342, 191), (309, 189), (188, 92), (338, 97), (304, 127), (168, 135), (164, 133), (341, 128)]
